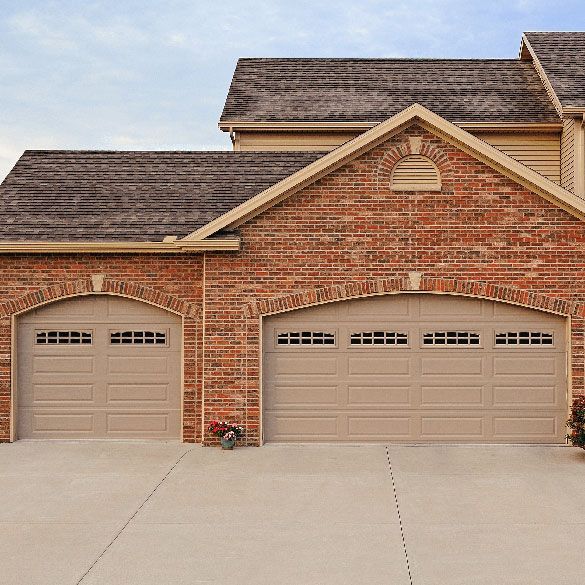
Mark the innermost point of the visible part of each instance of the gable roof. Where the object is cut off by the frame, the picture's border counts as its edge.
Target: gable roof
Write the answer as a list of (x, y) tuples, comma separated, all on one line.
[(103, 196), (562, 58), (414, 114), (373, 90)]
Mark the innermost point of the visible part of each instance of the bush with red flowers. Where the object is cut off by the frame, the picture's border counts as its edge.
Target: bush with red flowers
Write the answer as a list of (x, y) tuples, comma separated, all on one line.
[(222, 428), (577, 423)]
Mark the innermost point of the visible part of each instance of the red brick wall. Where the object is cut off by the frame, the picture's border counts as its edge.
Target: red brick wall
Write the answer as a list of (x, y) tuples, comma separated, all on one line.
[(170, 281), (349, 234), (345, 236)]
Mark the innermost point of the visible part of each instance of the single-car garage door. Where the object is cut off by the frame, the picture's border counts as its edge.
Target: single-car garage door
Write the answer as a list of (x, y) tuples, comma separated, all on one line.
[(415, 367), (99, 367)]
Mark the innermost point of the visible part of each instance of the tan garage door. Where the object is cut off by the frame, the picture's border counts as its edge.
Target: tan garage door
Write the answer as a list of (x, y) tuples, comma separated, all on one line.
[(99, 367), (415, 367)]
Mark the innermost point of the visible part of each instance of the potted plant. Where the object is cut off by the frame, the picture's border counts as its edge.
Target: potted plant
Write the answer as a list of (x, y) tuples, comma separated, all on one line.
[(227, 432), (577, 423)]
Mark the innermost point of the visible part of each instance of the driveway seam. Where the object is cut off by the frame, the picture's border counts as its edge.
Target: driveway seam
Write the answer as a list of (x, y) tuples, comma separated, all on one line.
[(133, 516), (399, 517)]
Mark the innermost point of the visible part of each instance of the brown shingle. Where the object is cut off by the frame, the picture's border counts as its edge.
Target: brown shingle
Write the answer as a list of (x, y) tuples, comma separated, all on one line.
[(132, 196), (372, 90), (562, 56)]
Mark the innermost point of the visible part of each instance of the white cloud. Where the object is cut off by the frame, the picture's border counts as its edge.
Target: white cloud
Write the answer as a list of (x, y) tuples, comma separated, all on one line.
[(32, 25)]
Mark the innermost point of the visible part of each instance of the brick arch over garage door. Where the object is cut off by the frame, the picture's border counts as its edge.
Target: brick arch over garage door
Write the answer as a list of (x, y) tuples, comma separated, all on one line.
[(414, 282), (11, 311)]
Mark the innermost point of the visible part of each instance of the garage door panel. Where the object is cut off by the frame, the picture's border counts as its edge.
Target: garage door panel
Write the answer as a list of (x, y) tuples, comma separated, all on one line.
[(376, 427), (541, 365), (68, 389), (360, 365), (52, 422), (286, 426), (64, 393), (452, 366), (544, 427), (137, 365), (465, 392), (139, 394), (526, 394), (68, 365), (452, 427), (302, 396), (287, 365), (378, 308), (364, 396), (448, 396), (143, 423), (459, 307)]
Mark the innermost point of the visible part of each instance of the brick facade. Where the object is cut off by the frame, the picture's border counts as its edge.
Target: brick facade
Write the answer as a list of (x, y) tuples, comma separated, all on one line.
[(172, 282), (347, 235)]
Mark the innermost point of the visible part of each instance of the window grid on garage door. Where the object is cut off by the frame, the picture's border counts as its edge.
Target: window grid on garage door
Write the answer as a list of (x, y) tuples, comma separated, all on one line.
[(447, 338), (516, 338), (293, 338), (378, 338), (138, 337), (60, 337)]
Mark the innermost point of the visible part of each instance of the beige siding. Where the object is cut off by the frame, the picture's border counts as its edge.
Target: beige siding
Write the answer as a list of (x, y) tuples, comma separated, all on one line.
[(568, 155), (540, 152), (292, 140)]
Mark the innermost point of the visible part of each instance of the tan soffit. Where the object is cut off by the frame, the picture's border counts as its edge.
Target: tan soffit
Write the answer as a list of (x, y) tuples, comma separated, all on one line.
[(350, 150), (171, 247), (235, 126)]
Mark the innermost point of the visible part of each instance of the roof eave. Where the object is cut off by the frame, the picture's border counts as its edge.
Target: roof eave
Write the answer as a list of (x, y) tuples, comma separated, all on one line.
[(238, 125), (109, 247)]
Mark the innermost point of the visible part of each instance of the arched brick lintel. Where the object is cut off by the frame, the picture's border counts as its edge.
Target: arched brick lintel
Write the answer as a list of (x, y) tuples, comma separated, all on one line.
[(64, 290), (364, 288)]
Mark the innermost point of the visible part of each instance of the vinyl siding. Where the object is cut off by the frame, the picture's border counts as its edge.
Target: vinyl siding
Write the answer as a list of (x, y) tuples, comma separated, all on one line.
[(568, 155), (540, 152), (271, 141)]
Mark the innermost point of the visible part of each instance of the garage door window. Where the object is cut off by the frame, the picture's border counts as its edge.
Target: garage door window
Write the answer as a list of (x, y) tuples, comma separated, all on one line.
[(305, 338), (378, 338), (443, 338), (517, 338), (47, 337), (138, 337)]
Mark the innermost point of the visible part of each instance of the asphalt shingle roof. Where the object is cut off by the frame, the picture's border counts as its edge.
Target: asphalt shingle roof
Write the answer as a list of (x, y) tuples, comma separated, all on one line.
[(372, 90), (562, 56), (131, 196)]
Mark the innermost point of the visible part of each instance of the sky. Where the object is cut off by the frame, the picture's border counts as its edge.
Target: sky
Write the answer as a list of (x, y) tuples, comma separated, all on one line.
[(153, 75)]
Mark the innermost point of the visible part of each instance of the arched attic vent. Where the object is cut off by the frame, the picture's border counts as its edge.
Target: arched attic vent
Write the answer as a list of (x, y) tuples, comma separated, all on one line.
[(415, 173)]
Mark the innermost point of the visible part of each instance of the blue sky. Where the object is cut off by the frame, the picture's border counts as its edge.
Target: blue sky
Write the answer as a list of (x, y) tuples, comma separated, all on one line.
[(140, 74)]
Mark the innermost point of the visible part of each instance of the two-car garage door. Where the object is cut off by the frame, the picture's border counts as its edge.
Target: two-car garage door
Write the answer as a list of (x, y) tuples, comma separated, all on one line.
[(99, 367), (415, 367)]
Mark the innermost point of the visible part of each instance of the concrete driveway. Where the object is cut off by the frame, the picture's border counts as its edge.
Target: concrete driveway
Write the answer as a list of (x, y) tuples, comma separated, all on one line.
[(164, 514)]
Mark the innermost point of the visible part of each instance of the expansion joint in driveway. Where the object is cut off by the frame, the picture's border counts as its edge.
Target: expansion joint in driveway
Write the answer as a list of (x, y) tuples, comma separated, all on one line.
[(132, 517), (399, 516)]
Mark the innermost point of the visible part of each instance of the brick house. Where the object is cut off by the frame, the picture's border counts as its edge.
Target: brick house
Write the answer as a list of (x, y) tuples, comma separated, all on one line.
[(394, 251)]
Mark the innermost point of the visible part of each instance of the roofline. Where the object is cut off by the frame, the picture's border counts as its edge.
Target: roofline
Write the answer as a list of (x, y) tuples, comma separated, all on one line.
[(574, 111), (526, 47), (235, 125), (172, 247), (353, 148)]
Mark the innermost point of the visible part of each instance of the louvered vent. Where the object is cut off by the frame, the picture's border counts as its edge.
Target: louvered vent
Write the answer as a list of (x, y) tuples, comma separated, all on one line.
[(415, 173)]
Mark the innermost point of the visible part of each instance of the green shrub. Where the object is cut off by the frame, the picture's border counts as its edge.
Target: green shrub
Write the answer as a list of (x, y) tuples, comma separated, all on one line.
[(577, 423)]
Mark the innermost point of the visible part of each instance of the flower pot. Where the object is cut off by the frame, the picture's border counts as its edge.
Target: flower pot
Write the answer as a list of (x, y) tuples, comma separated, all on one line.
[(227, 444)]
